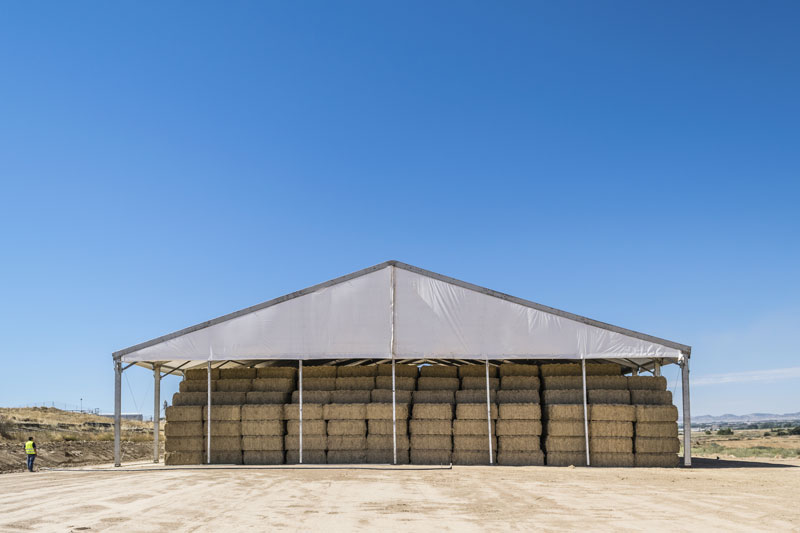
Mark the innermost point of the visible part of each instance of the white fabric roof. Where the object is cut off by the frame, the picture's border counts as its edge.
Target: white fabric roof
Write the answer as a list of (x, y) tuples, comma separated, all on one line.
[(394, 309)]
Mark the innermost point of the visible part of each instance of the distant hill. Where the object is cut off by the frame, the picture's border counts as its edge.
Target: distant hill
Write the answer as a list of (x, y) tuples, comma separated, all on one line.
[(752, 417)]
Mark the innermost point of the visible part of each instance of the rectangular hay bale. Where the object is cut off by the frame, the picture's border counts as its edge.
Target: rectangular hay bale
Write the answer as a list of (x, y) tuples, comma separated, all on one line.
[(383, 411), (620, 396), (430, 427), (347, 457), (223, 428), (310, 427), (384, 427), (310, 457), (530, 458), (347, 427), (473, 443), (474, 411), (184, 444), (358, 371), (475, 396), (563, 412), (262, 457), (310, 442), (271, 372), (319, 384), (237, 373), (563, 396), (664, 460), (346, 442), (433, 396), (519, 383), (657, 429), (184, 413), (361, 383), (200, 385), (657, 445), (313, 396), (473, 457), (183, 429), (513, 428), (350, 396), (438, 384), (617, 412), (518, 396), (319, 371), (438, 371), (184, 458), (476, 371), (400, 383), (262, 443), (656, 413), (223, 444), (386, 442), (344, 411), (233, 385), (406, 371), (255, 397), (520, 411), (518, 369), (612, 459), (527, 443), (381, 457), (197, 374), (651, 397), (311, 411), (285, 385), (603, 369), (262, 427), (385, 396), (561, 369), (565, 458), (262, 412), (479, 383), (223, 412), (432, 411), (430, 457), (647, 383), (472, 427)]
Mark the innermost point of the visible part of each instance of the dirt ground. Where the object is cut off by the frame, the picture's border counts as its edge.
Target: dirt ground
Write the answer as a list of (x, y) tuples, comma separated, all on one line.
[(714, 495)]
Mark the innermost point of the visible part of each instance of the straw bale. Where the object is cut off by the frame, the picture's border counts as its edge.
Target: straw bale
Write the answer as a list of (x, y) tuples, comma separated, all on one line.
[(310, 442), (223, 412), (234, 385), (565, 428), (474, 411), (562, 396), (255, 397), (310, 457), (382, 457), (273, 385), (606, 382), (184, 458), (262, 457), (525, 443), (475, 396), (612, 459), (518, 396), (262, 427), (384, 427), (438, 371), (471, 427), (200, 373), (651, 397), (360, 371), (350, 396), (621, 413), (443, 384), (347, 427), (473, 443), (479, 383), (262, 443), (621, 396), (656, 413), (189, 398), (433, 396), (566, 458), (562, 382), (268, 372), (406, 371), (385, 442), (473, 457), (344, 411), (184, 444), (237, 373), (513, 428), (430, 427), (346, 442), (657, 429), (362, 383), (400, 383), (196, 386), (610, 445), (432, 411), (185, 413), (563, 412), (430, 457), (647, 383), (312, 396), (385, 396), (657, 445), (561, 369), (518, 369), (534, 458), (564, 444), (228, 398), (519, 383), (476, 371), (520, 411), (319, 371), (664, 460), (319, 384), (224, 444), (226, 457), (310, 427), (311, 411), (183, 429), (384, 411), (347, 457), (603, 369), (610, 428), (223, 428)]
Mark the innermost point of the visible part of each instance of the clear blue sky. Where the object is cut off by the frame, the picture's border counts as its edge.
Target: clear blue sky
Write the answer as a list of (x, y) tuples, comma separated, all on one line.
[(165, 163)]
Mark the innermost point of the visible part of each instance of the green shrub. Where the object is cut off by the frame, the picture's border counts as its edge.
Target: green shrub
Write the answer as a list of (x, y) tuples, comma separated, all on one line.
[(725, 431)]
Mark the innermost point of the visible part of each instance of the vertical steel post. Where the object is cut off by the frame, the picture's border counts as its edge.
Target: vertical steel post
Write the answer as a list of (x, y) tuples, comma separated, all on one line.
[(585, 413), (687, 417), (394, 393), (156, 410), (300, 408), (489, 412), (117, 410), (656, 367), (208, 417)]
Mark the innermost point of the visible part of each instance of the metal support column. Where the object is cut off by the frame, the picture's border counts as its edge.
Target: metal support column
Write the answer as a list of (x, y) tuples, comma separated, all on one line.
[(394, 393), (156, 410), (117, 410), (687, 417), (208, 417), (585, 413), (300, 408), (657, 368), (489, 412)]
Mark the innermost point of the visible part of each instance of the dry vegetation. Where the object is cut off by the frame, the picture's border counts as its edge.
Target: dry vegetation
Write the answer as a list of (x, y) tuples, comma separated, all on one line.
[(745, 443)]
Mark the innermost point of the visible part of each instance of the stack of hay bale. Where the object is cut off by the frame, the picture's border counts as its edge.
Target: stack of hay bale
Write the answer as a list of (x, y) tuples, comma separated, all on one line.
[(347, 432), (656, 431), (519, 427), (471, 425), (184, 435), (272, 385), (262, 434), (431, 424), (226, 433), (380, 433), (319, 383)]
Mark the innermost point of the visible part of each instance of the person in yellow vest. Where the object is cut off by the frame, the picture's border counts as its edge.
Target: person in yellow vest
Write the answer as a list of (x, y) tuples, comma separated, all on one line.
[(30, 451)]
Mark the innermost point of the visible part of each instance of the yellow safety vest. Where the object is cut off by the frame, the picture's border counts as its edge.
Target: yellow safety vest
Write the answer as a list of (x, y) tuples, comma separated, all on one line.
[(29, 449)]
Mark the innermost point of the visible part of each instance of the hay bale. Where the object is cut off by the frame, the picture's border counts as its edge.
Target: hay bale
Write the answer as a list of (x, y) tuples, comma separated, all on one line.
[(271, 372), (196, 374), (620, 413), (223, 444), (184, 458), (347, 427), (346, 442), (363, 383), (196, 386), (233, 385), (385, 396), (515, 428), (647, 383), (285, 385), (319, 384), (532, 458), (438, 371), (620, 396), (310, 457), (562, 396), (566, 458), (223, 428), (565, 428), (432, 411), (562, 383), (563, 412), (518, 396), (473, 443), (223, 412), (601, 445), (189, 398), (384, 427), (479, 383), (400, 383), (262, 443), (520, 411), (664, 460), (383, 411), (657, 429), (657, 445), (651, 397), (473, 457), (561, 369), (310, 442), (430, 457), (252, 428), (603, 369), (350, 396), (186, 413), (313, 396), (471, 427), (438, 384), (183, 429), (184, 444), (474, 411), (406, 371), (564, 444), (514, 443), (347, 457), (476, 371), (519, 369), (433, 396), (267, 398), (237, 373), (475, 396), (319, 371), (610, 428), (311, 411), (519, 383), (611, 459), (430, 427), (606, 382), (381, 457), (656, 413), (262, 412), (262, 457), (344, 411), (310, 427), (360, 371), (228, 398), (385, 442)]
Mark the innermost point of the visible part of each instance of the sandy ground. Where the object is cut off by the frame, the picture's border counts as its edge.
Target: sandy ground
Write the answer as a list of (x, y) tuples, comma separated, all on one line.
[(715, 495)]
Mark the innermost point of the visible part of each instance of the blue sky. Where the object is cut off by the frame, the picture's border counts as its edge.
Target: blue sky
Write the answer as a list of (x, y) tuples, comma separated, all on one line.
[(166, 163)]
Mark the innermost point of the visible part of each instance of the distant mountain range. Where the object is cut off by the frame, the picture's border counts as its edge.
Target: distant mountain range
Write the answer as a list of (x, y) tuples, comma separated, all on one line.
[(752, 417)]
